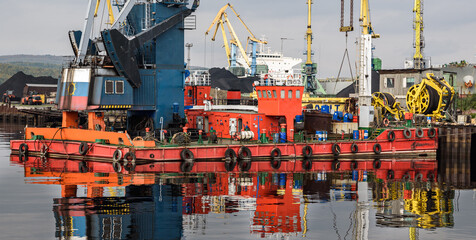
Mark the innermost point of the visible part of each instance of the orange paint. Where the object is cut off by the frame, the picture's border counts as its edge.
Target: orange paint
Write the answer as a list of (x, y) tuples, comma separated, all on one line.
[(70, 119), (75, 134), (96, 118)]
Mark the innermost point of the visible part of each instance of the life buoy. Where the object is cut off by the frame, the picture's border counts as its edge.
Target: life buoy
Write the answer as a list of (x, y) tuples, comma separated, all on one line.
[(23, 149), (386, 122), (307, 151), (117, 155), (431, 132), (336, 149), (335, 165), (354, 165), (245, 165), (377, 164), (186, 166), (230, 159), (130, 156), (407, 133), (307, 164), (419, 132), (83, 168), (390, 174), (83, 148), (276, 158), (377, 148), (244, 153), (391, 136), (354, 148), (186, 155)]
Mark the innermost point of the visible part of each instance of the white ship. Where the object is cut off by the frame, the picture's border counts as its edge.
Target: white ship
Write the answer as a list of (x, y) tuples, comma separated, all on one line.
[(275, 61)]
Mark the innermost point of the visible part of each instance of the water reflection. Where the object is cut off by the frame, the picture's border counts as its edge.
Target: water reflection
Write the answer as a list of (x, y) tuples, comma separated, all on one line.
[(98, 203)]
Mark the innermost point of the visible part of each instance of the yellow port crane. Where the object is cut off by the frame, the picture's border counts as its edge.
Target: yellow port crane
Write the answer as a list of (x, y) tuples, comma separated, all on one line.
[(365, 63), (220, 20), (419, 44)]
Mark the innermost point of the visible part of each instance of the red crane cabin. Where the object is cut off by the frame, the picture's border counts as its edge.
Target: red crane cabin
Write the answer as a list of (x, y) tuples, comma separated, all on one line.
[(275, 104)]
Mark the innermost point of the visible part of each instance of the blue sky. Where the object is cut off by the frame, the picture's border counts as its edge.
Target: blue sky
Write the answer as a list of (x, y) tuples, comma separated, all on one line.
[(40, 27)]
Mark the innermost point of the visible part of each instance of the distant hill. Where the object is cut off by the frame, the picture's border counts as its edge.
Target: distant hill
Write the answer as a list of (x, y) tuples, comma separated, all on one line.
[(7, 70), (46, 59), (18, 81)]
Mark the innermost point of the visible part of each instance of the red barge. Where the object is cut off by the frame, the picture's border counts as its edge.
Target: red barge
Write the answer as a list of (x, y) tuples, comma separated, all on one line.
[(245, 148)]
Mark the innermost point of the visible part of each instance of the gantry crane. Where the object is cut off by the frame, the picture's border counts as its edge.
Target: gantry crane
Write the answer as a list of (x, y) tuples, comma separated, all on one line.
[(365, 66), (311, 85), (219, 22), (419, 44)]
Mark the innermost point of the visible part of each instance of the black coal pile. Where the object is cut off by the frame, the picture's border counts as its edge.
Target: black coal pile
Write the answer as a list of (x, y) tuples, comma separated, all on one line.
[(17, 82), (225, 80)]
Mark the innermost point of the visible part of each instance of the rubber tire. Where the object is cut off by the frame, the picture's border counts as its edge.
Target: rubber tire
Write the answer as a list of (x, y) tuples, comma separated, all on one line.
[(230, 155), (129, 154), (117, 167), (307, 164), (244, 153), (354, 148), (391, 136), (186, 166), (186, 155), (275, 158), (419, 132), (335, 165), (418, 177), (230, 165), (407, 133), (390, 174), (431, 132), (245, 165), (377, 148), (117, 155), (307, 151), (377, 164), (22, 158), (23, 149), (354, 165), (83, 168), (83, 148), (130, 166), (336, 149)]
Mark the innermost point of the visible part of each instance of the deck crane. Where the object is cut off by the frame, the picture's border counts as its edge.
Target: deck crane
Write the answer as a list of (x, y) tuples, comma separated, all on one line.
[(419, 44), (311, 85), (221, 19), (365, 66)]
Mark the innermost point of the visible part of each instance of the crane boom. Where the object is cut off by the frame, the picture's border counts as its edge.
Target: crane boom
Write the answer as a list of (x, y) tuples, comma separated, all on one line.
[(220, 21), (309, 34), (419, 42)]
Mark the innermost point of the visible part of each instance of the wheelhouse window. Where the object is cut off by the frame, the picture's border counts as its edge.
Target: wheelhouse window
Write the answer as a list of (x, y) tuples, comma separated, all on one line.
[(109, 88), (298, 94), (290, 94), (274, 94), (283, 94), (119, 87), (259, 94), (264, 94)]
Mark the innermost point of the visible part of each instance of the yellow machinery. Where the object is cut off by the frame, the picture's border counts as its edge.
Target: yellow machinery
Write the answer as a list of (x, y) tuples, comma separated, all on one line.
[(431, 97), (389, 106), (220, 20)]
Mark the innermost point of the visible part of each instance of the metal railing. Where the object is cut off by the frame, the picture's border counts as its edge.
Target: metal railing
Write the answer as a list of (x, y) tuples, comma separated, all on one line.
[(280, 79), (198, 78)]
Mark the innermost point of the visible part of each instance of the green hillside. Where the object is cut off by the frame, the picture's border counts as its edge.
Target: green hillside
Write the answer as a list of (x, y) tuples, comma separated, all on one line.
[(35, 69)]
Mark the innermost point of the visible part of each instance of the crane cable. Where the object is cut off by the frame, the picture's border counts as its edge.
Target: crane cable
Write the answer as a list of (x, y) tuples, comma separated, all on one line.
[(346, 29)]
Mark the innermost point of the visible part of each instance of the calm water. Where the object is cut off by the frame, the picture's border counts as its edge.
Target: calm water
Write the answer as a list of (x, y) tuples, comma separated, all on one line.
[(52, 200)]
